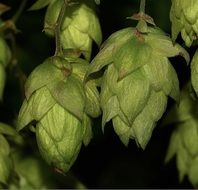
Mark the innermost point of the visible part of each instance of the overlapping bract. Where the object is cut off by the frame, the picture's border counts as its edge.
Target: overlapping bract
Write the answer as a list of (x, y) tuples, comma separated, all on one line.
[(80, 26), (184, 139), (137, 81), (57, 100), (5, 57), (184, 18), (194, 72)]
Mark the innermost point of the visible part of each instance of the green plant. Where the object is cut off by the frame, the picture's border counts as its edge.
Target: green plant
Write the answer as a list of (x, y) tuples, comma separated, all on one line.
[(127, 80)]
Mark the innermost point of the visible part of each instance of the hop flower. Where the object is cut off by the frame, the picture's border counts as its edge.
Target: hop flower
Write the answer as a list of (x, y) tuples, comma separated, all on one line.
[(184, 18), (5, 57), (137, 80), (184, 139), (57, 100), (80, 26)]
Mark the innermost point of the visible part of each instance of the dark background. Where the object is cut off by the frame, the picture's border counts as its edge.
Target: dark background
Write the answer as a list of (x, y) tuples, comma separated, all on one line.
[(106, 162)]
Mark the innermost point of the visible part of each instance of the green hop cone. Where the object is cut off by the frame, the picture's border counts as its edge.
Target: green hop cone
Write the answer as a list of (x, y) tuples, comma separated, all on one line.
[(137, 81), (184, 18), (61, 105), (80, 26), (5, 57), (184, 139)]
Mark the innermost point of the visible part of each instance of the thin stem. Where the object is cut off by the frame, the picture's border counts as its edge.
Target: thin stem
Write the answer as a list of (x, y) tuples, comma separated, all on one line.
[(19, 11), (57, 29), (142, 6)]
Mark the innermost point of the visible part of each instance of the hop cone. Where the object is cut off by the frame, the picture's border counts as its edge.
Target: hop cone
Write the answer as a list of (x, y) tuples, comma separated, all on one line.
[(184, 139), (184, 18), (57, 100), (5, 56), (80, 26), (137, 81)]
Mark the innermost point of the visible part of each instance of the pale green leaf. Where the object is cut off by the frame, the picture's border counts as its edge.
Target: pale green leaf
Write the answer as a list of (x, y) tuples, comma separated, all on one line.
[(194, 72), (162, 76), (70, 95), (5, 53), (193, 172), (133, 93), (87, 129), (122, 130), (109, 49), (42, 75), (59, 137), (131, 56), (92, 104), (39, 4), (5, 168), (6, 129)]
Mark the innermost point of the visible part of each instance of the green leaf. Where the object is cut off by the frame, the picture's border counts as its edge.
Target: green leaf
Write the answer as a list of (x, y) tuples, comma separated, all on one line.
[(194, 72), (183, 160), (173, 146), (4, 146), (6, 129), (59, 137), (70, 95), (92, 104), (133, 93), (162, 76), (33, 173), (86, 125), (5, 168), (35, 108), (43, 74), (193, 172), (110, 110), (39, 4), (109, 49), (131, 56), (145, 122), (72, 38), (164, 46), (5, 53), (122, 130), (189, 136)]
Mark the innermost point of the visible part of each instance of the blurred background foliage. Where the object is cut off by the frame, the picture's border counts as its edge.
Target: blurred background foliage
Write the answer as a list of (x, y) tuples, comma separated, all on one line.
[(105, 163)]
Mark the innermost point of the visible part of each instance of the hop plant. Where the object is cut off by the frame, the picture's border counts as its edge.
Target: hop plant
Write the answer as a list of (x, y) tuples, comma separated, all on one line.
[(184, 139), (80, 26), (137, 80), (5, 57), (57, 100), (184, 18)]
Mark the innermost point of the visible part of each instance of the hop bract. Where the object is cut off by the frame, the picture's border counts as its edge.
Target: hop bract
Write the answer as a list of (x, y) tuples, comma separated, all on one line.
[(184, 140), (80, 26), (57, 100), (194, 72), (137, 81), (5, 57), (184, 18)]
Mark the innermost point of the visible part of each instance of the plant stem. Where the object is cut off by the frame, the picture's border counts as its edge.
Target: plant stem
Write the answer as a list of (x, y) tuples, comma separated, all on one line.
[(142, 6), (19, 11), (57, 28)]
